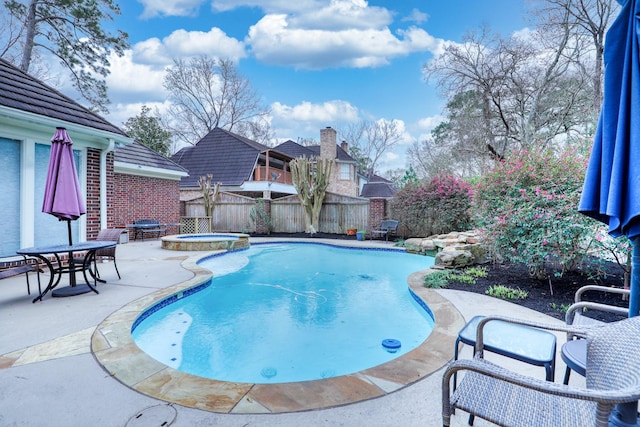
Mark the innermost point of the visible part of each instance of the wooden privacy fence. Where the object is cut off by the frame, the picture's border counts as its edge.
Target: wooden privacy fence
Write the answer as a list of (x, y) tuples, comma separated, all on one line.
[(338, 213), (233, 214)]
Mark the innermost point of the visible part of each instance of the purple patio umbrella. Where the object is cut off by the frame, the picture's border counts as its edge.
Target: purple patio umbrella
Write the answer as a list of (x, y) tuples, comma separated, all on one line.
[(611, 191), (62, 196)]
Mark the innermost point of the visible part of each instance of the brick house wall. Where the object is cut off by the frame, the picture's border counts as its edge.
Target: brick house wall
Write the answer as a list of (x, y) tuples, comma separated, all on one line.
[(138, 197), (93, 193)]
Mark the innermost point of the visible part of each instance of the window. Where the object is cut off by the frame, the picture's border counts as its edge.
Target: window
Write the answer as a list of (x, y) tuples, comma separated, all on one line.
[(10, 206), (345, 171)]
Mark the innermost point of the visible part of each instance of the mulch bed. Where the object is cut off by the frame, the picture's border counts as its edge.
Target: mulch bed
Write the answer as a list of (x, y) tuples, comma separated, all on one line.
[(540, 297)]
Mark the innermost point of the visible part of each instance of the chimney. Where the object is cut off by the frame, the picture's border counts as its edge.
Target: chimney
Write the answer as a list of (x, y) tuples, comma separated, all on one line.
[(345, 146), (328, 148)]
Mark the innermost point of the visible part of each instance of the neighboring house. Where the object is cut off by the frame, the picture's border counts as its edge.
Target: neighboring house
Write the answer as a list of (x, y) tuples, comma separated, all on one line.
[(30, 111), (239, 164), (378, 187), (147, 185), (379, 191), (245, 167), (344, 176)]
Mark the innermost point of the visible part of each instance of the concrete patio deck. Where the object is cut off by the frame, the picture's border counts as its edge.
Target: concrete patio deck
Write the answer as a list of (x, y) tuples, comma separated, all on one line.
[(49, 376)]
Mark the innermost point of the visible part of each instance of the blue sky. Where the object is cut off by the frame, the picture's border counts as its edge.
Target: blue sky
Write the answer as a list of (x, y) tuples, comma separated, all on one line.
[(316, 63)]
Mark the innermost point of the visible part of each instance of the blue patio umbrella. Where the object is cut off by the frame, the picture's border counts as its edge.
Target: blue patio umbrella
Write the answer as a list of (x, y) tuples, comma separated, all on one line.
[(611, 191)]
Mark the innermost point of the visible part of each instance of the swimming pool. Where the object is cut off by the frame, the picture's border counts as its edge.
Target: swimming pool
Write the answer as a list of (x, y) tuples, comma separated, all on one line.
[(290, 312)]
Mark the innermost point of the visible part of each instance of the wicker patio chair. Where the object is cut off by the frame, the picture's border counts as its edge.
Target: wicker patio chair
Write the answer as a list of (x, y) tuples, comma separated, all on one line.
[(112, 235), (574, 351), (510, 399)]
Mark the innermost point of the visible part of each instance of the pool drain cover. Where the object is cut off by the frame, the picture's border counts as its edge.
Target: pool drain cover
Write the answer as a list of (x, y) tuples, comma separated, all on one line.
[(269, 372), (154, 416)]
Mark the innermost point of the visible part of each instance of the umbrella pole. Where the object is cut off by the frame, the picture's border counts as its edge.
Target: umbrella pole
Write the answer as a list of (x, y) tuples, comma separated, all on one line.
[(69, 232), (72, 267)]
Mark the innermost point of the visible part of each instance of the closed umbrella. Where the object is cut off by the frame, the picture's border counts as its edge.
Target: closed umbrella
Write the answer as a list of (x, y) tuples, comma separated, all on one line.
[(611, 191), (63, 198)]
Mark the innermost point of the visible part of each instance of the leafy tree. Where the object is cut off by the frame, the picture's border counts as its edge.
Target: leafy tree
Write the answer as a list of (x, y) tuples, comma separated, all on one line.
[(73, 32), (206, 93), (410, 177), (148, 130), (439, 205), (458, 145), (311, 179)]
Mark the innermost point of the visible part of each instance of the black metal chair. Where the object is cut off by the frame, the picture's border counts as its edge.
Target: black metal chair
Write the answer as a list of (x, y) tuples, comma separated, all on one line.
[(113, 235), (387, 228)]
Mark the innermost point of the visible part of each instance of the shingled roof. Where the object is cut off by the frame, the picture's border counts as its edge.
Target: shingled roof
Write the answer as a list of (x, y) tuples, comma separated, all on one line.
[(22, 92), (139, 154), (295, 150), (228, 157), (378, 189)]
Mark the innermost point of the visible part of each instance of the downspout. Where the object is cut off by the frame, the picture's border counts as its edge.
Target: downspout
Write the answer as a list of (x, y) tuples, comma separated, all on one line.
[(103, 182)]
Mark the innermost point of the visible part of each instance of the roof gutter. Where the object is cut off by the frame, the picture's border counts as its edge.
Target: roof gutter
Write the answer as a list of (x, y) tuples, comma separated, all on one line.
[(101, 138), (148, 171)]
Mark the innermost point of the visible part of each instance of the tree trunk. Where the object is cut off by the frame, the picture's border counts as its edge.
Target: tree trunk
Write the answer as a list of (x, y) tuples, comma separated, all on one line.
[(30, 25), (311, 187)]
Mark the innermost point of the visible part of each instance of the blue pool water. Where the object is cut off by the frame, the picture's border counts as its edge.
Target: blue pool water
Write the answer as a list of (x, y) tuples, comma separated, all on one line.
[(291, 312)]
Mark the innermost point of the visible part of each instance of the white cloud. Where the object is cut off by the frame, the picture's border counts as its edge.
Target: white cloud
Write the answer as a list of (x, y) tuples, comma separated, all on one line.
[(130, 80), (305, 120), (340, 15), (120, 113), (327, 112), (427, 124), (153, 8), (273, 41), (524, 34), (269, 6), (416, 16), (185, 44)]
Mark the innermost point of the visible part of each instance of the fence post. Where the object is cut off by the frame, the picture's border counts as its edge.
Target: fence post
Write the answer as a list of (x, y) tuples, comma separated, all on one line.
[(377, 209)]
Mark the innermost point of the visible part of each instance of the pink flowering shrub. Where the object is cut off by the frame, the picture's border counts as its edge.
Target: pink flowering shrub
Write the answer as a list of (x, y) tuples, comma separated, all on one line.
[(440, 205), (527, 208)]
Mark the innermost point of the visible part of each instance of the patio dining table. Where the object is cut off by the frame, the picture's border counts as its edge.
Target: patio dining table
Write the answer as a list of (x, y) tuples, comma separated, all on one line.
[(43, 253)]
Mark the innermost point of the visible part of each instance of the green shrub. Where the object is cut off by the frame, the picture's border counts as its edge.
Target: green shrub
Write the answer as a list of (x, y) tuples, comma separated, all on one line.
[(562, 307), (437, 279), (504, 292), (477, 272), (440, 205), (527, 209)]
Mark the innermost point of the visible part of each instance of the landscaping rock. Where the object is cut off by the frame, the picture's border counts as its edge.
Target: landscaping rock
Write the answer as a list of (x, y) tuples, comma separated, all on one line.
[(454, 258)]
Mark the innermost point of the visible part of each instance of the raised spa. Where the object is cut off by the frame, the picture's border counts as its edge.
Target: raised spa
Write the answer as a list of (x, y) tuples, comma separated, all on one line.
[(290, 312), (206, 242)]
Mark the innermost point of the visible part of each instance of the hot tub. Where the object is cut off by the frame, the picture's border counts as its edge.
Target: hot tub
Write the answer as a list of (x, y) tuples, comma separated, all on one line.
[(205, 242)]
